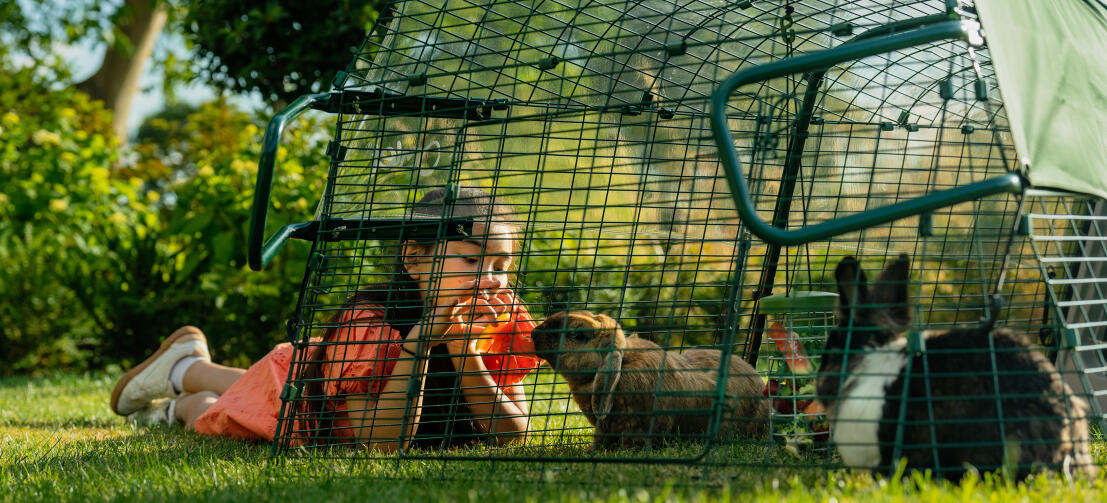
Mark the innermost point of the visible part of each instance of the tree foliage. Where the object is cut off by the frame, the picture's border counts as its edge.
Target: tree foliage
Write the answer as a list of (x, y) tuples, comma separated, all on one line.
[(278, 48), (34, 29), (108, 249)]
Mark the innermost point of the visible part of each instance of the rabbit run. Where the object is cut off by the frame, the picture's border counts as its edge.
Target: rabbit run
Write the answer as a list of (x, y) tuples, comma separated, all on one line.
[(633, 391), (975, 397)]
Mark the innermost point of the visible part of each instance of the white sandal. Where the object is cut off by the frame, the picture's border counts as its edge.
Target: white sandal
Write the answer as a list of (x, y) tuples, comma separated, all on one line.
[(149, 380), (158, 412)]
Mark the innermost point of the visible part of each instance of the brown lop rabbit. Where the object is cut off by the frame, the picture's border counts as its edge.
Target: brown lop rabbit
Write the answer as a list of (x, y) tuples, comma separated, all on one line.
[(614, 380)]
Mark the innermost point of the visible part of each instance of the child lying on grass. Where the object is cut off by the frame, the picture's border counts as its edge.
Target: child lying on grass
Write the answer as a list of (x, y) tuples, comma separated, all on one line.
[(423, 325)]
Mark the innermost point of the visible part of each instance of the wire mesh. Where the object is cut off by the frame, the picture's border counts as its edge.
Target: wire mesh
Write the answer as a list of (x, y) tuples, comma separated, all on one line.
[(589, 121), (798, 327)]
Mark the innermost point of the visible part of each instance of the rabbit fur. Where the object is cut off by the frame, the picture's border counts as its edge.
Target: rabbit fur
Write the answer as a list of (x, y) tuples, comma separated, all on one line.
[(1042, 421), (614, 380)]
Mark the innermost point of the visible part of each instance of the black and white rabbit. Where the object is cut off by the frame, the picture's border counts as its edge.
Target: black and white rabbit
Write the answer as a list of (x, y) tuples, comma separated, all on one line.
[(975, 397)]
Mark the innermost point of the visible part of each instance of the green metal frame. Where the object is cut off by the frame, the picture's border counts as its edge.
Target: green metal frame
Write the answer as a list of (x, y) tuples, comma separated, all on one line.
[(819, 62), (257, 254), (814, 66), (350, 102)]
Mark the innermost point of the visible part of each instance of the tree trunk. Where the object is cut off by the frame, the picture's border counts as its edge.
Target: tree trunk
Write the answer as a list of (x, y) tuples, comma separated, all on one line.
[(116, 82)]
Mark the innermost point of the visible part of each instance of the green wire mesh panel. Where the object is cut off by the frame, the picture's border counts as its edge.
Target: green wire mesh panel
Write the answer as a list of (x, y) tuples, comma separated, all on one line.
[(927, 381), (592, 122)]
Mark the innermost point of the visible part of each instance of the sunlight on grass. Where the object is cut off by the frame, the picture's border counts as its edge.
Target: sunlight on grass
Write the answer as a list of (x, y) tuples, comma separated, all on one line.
[(59, 441)]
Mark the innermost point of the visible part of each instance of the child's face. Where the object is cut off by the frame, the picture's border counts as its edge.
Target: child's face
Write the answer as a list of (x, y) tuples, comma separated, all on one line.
[(452, 268)]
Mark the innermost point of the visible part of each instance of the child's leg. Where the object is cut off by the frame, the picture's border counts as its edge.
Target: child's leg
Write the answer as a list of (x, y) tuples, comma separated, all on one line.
[(191, 405), (203, 375), (150, 379), (181, 364)]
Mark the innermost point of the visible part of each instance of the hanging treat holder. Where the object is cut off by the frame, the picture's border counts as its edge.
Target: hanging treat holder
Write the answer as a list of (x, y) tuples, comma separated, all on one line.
[(796, 328)]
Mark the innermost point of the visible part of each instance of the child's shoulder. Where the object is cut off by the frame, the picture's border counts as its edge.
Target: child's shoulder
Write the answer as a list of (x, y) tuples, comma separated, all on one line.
[(363, 312)]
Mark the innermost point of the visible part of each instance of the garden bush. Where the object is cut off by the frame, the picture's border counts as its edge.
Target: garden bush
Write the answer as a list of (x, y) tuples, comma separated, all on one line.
[(105, 249), (58, 204)]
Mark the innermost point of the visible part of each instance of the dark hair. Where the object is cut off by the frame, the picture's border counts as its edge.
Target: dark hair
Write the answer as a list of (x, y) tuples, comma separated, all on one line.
[(399, 296)]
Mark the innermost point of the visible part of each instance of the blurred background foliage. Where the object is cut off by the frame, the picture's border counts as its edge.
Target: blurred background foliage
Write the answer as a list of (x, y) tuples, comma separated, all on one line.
[(109, 243), (245, 46)]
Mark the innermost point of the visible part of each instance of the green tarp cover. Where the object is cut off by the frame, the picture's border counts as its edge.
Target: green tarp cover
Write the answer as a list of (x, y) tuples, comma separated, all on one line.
[(1050, 57)]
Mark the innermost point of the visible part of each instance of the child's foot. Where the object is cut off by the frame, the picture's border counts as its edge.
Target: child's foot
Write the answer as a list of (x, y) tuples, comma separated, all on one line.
[(155, 413), (149, 380)]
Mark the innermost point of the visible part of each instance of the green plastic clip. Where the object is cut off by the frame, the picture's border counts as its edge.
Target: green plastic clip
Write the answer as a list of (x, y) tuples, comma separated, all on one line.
[(916, 343), (926, 224), (842, 29), (945, 89), (339, 79), (290, 393), (548, 63), (677, 48), (1026, 227), (1070, 337), (453, 192), (981, 87)]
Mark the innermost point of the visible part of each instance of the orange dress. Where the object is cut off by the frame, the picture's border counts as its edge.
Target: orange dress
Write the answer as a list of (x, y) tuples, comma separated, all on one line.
[(366, 352)]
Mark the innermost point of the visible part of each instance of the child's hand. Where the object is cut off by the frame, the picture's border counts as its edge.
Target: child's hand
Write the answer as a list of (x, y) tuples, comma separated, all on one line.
[(458, 316), (470, 315), (503, 302), (467, 342)]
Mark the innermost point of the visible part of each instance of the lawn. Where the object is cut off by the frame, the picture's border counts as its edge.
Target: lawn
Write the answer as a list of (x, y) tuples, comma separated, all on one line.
[(59, 441)]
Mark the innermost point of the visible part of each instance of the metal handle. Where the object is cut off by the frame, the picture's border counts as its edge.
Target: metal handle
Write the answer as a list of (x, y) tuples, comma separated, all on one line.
[(821, 60), (257, 254)]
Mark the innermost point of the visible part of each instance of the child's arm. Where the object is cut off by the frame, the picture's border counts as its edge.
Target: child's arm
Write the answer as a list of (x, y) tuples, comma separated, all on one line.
[(380, 422), (498, 411)]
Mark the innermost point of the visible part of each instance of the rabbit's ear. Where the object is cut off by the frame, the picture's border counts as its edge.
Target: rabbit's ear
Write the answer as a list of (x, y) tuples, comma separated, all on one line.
[(554, 322), (606, 323), (853, 286), (890, 292), (607, 377)]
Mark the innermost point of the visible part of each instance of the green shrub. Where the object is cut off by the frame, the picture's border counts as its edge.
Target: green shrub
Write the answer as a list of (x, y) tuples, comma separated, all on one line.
[(106, 249), (59, 204), (203, 170)]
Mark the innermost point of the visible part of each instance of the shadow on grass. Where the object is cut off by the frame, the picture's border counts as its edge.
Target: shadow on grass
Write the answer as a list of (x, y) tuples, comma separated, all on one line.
[(158, 447), (169, 464), (59, 423)]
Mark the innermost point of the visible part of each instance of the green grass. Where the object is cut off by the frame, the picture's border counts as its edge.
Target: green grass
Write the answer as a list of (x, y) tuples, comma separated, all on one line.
[(59, 441)]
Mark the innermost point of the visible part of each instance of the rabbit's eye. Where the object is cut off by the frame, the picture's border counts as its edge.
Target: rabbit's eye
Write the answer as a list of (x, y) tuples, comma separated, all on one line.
[(579, 335)]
